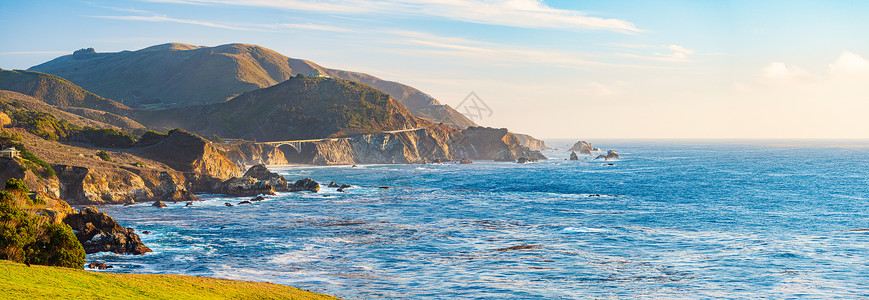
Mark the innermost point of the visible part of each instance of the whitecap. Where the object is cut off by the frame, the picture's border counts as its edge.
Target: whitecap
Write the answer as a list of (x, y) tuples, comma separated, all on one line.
[(584, 230)]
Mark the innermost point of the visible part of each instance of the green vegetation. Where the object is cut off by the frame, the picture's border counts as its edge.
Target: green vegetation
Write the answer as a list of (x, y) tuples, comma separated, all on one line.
[(39, 282), (44, 124), (150, 138), (15, 184), (107, 137), (104, 155), (29, 238)]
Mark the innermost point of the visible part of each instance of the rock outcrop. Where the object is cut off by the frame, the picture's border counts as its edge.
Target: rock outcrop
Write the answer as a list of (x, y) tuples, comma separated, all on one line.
[(246, 187), (248, 153), (583, 147), (98, 232), (261, 173), (611, 154), (187, 152), (306, 184), (530, 142), (106, 185), (573, 155)]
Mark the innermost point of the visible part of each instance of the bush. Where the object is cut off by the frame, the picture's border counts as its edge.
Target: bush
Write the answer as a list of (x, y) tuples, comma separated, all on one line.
[(57, 247), (150, 138), (104, 155), (15, 184), (27, 238), (6, 197), (44, 125), (107, 137)]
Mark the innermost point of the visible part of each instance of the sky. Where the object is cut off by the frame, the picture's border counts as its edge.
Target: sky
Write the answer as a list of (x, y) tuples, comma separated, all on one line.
[(552, 69)]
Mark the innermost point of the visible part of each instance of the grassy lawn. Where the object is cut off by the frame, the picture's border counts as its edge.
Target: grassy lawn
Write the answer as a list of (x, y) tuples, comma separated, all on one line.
[(18, 281)]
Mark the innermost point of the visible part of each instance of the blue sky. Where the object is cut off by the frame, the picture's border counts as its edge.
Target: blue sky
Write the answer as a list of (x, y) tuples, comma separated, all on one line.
[(566, 69)]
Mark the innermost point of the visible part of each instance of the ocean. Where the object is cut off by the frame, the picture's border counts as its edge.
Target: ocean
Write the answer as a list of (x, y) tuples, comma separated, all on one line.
[(670, 219)]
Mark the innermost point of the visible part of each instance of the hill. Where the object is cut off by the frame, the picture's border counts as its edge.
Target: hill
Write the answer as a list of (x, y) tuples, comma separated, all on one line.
[(177, 75), (299, 108), (18, 281), (56, 91)]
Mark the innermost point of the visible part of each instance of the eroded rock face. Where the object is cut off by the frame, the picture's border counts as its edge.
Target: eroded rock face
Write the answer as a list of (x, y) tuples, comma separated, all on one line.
[(98, 185), (253, 153), (306, 184), (187, 152), (530, 142), (611, 154), (573, 155), (98, 232)]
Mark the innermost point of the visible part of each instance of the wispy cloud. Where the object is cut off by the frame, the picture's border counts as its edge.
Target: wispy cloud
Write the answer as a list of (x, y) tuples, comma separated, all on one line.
[(156, 18), (246, 27), (677, 53), (515, 13), (428, 45), (309, 26)]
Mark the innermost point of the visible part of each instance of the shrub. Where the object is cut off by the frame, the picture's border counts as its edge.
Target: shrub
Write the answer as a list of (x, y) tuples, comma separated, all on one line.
[(6, 197), (107, 137), (58, 246), (150, 138), (43, 124), (37, 199), (104, 155), (27, 238), (15, 184)]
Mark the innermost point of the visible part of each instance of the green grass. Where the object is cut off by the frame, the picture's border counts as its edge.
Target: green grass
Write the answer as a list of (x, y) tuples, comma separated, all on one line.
[(18, 281)]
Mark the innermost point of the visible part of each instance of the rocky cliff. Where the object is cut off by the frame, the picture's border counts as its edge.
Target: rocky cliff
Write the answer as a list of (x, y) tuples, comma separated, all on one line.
[(113, 185), (190, 153), (530, 142), (415, 146)]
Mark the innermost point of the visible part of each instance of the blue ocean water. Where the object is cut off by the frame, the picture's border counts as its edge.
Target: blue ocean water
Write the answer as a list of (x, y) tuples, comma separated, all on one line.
[(674, 219)]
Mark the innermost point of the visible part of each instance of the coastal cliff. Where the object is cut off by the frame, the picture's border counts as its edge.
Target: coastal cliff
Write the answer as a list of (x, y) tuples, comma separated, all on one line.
[(412, 146)]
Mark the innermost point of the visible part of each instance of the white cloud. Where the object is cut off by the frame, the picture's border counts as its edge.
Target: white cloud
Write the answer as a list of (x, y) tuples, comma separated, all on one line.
[(781, 72), (849, 63), (424, 44), (516, 13), (678, 54), (156, 18)]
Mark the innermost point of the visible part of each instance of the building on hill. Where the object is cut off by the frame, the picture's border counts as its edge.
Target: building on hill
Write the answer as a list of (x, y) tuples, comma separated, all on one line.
[(10, 152)]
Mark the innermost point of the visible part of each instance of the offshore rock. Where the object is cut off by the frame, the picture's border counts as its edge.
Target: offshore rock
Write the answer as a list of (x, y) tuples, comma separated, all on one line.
[(505, 155), (306, 184), (611, 154), (573, 155), (98, 232), (465, 161), (159, 204), (261, 173), (247, 187)]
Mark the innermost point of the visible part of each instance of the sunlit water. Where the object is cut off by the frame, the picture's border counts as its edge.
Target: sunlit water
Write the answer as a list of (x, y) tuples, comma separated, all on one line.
[(674, 219)]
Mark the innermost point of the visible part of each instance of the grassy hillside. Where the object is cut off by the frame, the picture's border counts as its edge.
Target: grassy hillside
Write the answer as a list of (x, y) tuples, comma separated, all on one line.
[(299, 108), (55, 91), (18, 281), (173, 75), (11, 102)]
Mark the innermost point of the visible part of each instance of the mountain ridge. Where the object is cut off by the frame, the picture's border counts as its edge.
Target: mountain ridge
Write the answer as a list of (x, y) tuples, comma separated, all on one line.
[(175, 74)]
